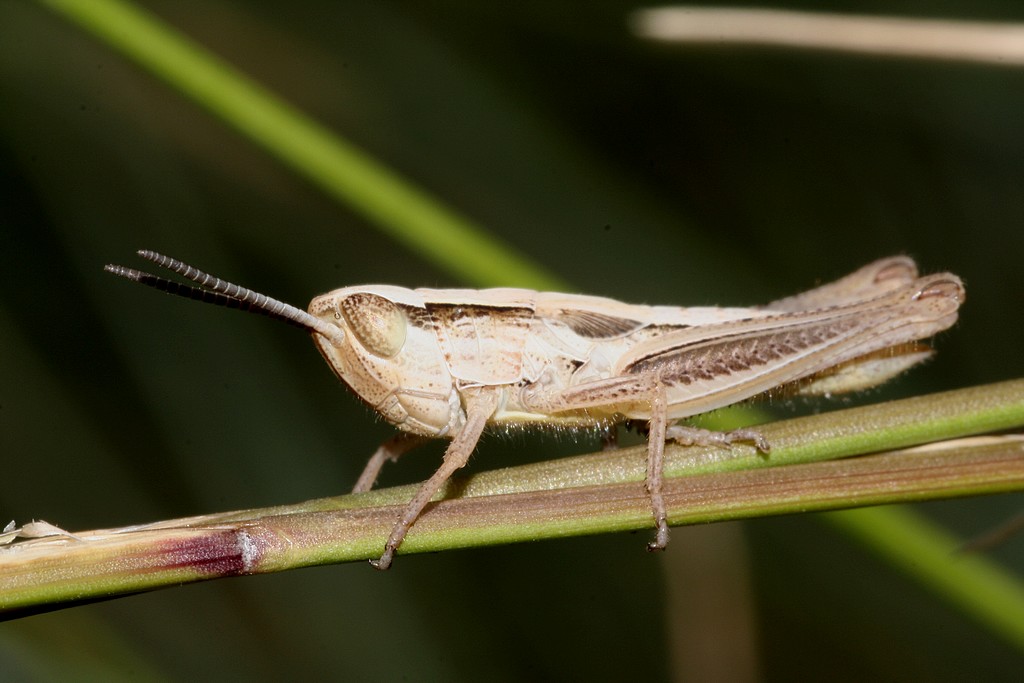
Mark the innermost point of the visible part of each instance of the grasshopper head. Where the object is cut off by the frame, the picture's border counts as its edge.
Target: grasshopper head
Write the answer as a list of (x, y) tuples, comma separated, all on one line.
[(382, 345), (378, 339)]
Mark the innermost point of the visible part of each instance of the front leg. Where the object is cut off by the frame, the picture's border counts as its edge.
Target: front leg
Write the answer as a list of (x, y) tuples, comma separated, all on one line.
[(391, 450), (480, 406)]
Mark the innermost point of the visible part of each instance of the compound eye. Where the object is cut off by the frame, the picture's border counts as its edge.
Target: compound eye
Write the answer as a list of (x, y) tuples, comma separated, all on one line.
[(377, 323)]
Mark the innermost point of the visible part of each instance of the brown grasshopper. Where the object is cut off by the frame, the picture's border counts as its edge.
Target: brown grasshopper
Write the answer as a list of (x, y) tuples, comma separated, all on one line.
[(448, 363)]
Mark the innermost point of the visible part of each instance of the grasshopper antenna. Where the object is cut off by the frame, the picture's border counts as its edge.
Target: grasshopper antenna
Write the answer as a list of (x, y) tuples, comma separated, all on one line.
[(219, 292)]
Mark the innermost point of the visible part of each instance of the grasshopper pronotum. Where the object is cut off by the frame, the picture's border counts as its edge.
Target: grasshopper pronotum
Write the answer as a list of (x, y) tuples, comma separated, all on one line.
[(447, 363)]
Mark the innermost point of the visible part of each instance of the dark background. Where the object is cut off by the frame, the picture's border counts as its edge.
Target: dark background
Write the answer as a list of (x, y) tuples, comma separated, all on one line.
[(643, 172)]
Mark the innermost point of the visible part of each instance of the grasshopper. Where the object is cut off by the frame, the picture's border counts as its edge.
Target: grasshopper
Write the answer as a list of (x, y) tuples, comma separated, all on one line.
[(447, 363)]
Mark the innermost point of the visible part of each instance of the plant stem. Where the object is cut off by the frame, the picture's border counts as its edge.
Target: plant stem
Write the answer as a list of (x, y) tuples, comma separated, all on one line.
[(589, 494)]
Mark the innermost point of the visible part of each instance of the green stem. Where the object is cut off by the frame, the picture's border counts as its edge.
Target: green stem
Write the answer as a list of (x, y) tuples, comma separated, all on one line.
[(590, 494)]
